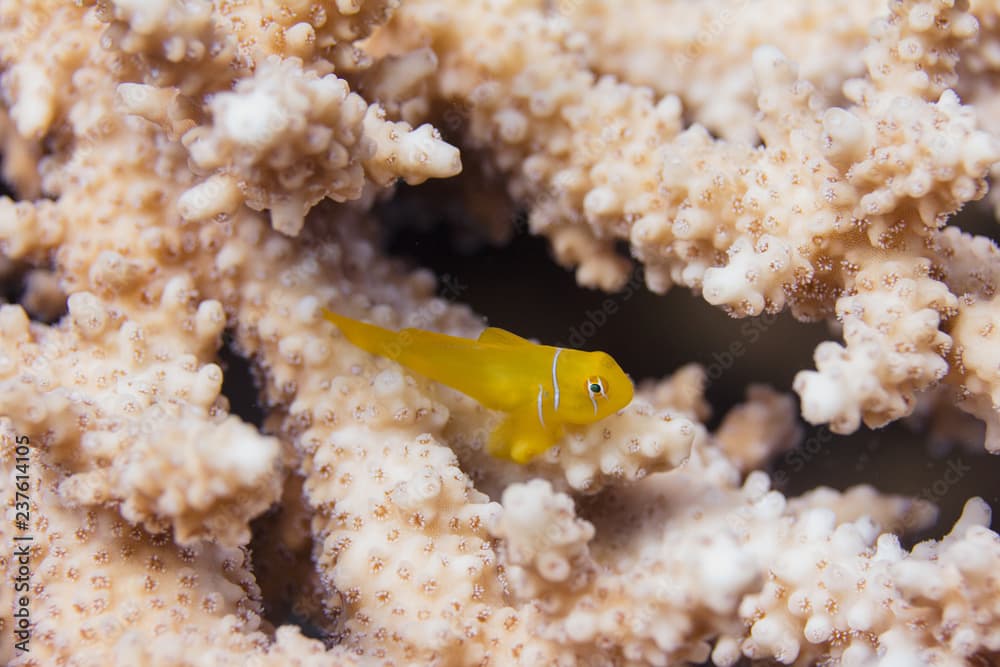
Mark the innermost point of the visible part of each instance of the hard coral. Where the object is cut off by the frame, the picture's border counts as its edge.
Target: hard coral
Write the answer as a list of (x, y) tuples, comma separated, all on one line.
[(289, 132), (132, 417), (185, 169)]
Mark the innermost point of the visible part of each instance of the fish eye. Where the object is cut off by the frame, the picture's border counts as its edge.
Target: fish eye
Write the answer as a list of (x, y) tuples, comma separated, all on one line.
[(595, 386)]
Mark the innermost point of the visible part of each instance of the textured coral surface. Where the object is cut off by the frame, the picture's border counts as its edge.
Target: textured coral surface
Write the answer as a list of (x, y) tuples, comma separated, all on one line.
[(189, 183)]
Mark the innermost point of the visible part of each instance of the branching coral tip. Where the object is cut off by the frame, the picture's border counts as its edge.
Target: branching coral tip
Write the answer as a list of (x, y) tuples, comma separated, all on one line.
[(542, 388)]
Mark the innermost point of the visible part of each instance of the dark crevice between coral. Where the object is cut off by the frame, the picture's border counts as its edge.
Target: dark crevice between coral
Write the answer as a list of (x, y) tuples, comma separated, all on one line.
[(238, 383), (281, 549), (742, 662), (33, 288), (893, 459), (5, 190), (281, 545), (16, 277), (11, 280), (977, 218), (406, 220), (11, 276), (623, 249), (451, 119), (474, 209)]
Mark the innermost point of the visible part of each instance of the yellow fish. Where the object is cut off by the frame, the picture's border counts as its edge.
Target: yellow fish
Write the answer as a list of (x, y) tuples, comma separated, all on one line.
[(541, 388)]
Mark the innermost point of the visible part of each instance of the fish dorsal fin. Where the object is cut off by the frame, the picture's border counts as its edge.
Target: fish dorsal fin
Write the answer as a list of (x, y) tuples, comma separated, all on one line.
[(495, 336)]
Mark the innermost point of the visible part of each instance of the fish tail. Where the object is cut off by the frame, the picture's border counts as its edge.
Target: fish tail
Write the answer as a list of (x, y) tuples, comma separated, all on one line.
[(368, 337)]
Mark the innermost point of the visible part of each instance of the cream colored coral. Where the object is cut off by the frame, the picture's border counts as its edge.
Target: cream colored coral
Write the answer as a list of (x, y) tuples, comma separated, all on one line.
[(755, 432), (168, 264), (399, 83), (648, 436), (23, 233), (287, 138), (895, 301), (328, 28), (289, 133), (193, 43), (916, 47), (375, 508), (407, 545), (702, 48), (757, 555), (953, 584), (20, 164), (895, 514), (107, 592), (173, 36), (563, 150), (37, 88), (136, 420), (545, 544), (835, 590), (973, 266)]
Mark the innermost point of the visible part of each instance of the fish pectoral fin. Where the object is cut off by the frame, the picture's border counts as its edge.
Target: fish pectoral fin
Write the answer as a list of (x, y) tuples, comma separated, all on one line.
[(496, 336), (520, 437)]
